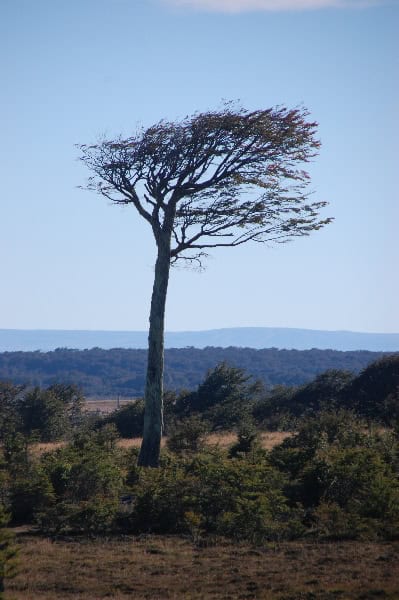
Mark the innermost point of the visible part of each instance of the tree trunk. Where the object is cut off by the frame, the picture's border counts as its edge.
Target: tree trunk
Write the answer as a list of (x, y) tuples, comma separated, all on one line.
[(153, 417)]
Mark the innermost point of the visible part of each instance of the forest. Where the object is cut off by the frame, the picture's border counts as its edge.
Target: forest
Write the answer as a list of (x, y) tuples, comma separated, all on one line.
[(108, 373)]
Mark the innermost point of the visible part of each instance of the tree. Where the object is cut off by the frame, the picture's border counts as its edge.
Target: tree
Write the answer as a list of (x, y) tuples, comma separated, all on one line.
[(374, 394), (223, 399), (10, 396), (215, 179), (43, 414)]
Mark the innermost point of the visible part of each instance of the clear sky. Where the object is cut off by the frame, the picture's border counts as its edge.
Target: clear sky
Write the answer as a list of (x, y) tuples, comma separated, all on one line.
[(74, 70)]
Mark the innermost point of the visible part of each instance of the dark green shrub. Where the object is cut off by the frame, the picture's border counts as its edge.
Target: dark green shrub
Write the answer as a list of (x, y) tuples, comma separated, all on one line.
[(161, 499), (29, 493), (212, 494), (8, 552), (95, 516), (87, 481), (187, 435), (50, 414), (222, 399), (374, 394), (248, 438), (345, 476), (129, 420)]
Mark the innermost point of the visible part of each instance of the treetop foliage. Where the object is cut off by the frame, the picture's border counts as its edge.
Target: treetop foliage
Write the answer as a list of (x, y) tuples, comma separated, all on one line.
[(217, 178)]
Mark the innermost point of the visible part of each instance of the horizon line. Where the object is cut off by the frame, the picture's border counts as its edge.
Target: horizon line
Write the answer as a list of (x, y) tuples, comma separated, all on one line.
[(180, 331)]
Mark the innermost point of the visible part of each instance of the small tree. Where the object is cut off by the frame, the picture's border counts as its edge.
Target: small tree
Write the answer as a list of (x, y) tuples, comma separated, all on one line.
[(215, 179)]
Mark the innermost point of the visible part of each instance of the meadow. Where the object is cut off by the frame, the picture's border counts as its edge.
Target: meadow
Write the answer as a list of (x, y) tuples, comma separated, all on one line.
[(173, 567)]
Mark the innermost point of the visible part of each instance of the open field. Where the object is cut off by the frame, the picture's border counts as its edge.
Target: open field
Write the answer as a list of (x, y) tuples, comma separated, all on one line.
[(161, 568)]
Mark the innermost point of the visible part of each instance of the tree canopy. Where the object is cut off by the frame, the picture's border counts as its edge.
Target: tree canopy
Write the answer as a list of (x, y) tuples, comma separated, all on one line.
[(218, 178)]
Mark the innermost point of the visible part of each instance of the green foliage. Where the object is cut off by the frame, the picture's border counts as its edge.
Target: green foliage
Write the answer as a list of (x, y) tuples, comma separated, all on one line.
[(336, 477), (317, 432), (343, 475), (129, 420), (335, 523), (86, 479), (73, 401), (109, 373), (321, 393), (248, 438), (224, 397), (10, 419), (187, 435), (333, 478), (273, 409), (29, 493), (282, 406), (211, 494), (44, 414), (374, 394), (8, 552), (243, 499)]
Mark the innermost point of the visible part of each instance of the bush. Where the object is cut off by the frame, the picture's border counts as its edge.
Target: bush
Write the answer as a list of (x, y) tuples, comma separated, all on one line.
[(187, 435), (29, 493), (8, 552), (49, 414), (128, 420), (212, 494), (248, 438), (345, 477), (222, 399), (87, 482), (374, 394)]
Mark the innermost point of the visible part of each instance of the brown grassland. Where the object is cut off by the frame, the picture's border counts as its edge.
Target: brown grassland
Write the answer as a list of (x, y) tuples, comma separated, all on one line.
[(151, 567), (269, 439), (105, 406)]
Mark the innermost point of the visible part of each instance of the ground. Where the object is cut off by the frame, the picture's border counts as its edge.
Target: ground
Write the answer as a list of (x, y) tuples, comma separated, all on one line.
[(167, 567)]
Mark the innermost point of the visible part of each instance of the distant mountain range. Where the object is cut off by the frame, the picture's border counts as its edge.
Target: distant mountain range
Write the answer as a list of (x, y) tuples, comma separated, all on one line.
[(246, 337)]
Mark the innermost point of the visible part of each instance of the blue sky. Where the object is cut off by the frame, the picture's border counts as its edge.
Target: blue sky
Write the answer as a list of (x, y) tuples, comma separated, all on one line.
[(72, 71)]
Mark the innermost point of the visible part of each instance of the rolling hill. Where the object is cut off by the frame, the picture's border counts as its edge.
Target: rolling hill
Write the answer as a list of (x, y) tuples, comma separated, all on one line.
[(244, 337)]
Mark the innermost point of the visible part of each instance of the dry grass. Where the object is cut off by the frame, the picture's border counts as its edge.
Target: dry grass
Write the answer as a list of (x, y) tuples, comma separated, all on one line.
[(273, 438), (41, 447), (269, 439), (164, 568), (106, 406)]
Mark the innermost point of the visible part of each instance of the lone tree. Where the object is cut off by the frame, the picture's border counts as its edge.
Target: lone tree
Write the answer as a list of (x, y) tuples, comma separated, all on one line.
[(218, 178)]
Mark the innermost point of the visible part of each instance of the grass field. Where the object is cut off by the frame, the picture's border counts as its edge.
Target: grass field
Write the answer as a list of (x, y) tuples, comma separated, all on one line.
[(162, 568)]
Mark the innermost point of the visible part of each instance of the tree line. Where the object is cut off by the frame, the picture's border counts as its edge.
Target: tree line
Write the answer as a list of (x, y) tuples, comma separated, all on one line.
[(109, 373), (226, 397)]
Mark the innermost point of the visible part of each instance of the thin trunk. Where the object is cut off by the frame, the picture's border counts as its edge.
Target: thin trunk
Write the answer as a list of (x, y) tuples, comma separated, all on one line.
[(153, 417)]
